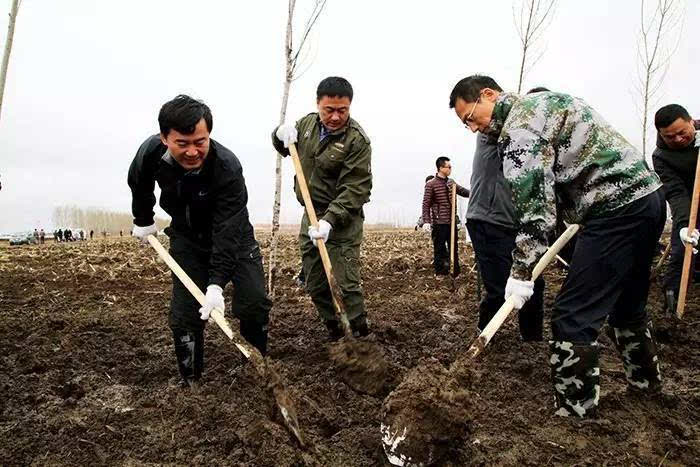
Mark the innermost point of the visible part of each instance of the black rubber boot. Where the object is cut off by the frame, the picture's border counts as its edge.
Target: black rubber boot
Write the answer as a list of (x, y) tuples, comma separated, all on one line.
[(670, 301), (256, 335), (359, 326), (639, 358), (189, 352), (576, 378), (335, 332)]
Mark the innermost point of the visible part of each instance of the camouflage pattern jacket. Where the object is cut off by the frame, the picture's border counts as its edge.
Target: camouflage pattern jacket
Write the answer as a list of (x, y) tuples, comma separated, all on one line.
[(337, 168), (559, 154)]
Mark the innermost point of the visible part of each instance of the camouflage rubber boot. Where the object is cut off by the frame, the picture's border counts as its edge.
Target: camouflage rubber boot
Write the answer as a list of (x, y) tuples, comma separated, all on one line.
[(189, 351), (576, 378), (639, 358)]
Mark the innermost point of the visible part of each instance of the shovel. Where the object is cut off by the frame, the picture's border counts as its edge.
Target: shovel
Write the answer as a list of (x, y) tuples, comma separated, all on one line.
[(266, 371), (452, 235), (395, 435), (361, 360), (692, 225)]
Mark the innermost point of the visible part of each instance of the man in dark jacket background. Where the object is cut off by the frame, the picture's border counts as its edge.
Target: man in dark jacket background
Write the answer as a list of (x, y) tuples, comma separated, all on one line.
[(437, 215), (674, 160), (211, 238)]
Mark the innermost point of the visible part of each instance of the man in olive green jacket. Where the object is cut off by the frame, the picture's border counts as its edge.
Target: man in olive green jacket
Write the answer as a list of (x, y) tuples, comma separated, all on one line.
[(335, 156)]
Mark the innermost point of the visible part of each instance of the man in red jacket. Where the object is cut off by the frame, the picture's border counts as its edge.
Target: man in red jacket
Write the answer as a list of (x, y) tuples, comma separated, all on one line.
[(437, 205)]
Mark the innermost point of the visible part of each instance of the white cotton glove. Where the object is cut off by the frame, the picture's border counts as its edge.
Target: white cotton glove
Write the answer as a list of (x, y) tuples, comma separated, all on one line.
[(287, 133), (142, 232), (214, 299), (324, 229), (692, 239), (521, 291), (427, 227)]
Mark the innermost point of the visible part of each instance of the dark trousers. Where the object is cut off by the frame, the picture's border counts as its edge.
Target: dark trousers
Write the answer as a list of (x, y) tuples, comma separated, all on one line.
[(493, 247), (609, 272), (441, 249), (672, 279), (250, 302)]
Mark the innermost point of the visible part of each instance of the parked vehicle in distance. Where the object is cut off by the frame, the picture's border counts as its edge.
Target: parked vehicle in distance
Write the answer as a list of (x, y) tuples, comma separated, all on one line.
[(26, 238)]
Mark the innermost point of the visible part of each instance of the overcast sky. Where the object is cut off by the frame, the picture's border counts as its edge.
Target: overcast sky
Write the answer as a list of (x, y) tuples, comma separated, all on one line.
[(87, 78)]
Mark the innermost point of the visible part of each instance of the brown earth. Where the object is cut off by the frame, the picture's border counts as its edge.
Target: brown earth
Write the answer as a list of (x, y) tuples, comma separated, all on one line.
[(87, 370)]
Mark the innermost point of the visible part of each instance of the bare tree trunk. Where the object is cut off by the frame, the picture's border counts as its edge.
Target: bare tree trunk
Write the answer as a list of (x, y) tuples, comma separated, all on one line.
[(656, 46), (277, 205), (539, 13), (8, 49)]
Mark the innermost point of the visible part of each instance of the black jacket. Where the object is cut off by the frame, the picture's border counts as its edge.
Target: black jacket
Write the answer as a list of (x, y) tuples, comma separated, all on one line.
[(676, 168), (207, 205)]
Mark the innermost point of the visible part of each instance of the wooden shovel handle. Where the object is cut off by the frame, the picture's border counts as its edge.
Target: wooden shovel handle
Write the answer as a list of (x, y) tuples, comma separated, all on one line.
[(217, 314), (336, 293), (503, 312), (688, 258), (452, 228)]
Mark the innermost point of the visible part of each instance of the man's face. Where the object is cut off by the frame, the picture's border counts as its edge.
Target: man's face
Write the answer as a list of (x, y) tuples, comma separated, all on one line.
[(477, 115), (334, 111), (679, 134), (446, 169), (189, 150)]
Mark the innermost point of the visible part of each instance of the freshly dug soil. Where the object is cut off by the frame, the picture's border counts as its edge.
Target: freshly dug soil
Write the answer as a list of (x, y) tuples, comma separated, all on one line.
[(361, 365), (87, 370), (427, 414)]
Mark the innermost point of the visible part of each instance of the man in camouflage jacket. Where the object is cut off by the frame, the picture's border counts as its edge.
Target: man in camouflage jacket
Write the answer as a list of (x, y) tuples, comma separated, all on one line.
[(560, 156), (335, 156)]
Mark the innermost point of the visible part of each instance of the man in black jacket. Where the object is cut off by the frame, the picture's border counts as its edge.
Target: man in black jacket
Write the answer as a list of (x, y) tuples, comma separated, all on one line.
[(674, 160), (211, 238)]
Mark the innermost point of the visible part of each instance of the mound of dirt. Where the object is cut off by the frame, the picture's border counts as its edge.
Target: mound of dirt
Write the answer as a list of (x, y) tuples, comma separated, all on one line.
[(361, 364), (429, 412)]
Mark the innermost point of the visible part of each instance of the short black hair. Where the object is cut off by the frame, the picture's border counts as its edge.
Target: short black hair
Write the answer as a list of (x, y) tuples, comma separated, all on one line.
[(182, 115), (429, 177), (440, 161), (538, 89), (470, 87), (334, 86), (669, 114)]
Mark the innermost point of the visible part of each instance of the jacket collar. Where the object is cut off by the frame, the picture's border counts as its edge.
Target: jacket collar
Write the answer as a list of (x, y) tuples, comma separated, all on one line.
[(501, 109)]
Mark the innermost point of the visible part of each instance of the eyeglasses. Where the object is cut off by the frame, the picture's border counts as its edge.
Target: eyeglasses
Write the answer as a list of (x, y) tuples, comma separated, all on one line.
[(468, 118)]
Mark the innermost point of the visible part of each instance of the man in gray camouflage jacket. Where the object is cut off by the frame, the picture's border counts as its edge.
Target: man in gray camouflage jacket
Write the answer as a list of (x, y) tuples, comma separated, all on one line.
[(560, 156)]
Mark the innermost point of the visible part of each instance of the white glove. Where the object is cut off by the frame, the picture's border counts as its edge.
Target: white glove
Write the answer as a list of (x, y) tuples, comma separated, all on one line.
[(324, 229), (214, 299), (692, 239), (287, 133), (521, 291), (142, 232), (427, 227)]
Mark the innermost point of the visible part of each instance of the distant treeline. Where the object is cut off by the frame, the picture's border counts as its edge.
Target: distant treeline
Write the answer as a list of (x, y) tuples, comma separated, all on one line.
[(96, 219)]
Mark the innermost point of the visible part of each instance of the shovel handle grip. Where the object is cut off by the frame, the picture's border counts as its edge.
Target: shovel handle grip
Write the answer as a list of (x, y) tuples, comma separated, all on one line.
[(336, 293), (217, 314), (507, 307)]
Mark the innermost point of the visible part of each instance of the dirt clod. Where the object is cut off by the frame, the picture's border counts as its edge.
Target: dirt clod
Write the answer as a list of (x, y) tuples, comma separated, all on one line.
[(361, 364), (429, 412)]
